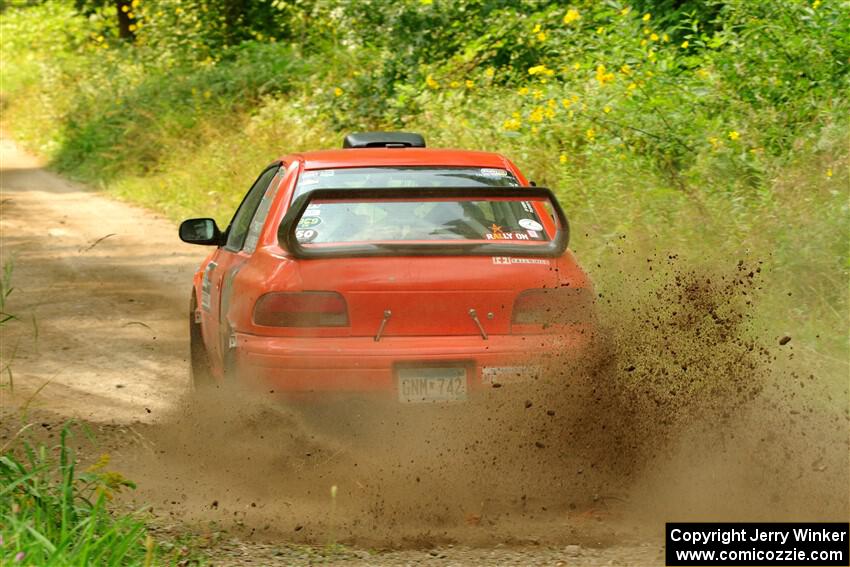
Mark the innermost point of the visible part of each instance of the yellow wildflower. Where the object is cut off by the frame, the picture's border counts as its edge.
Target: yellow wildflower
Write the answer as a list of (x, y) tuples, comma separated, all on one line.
[(469, 83), (125, 8), (99, 464), (632, 86), (715, 142), (643, 43), (454, 84), (590, 134), (566, 102), (489, 72), (99, 38), (562, 158), (603, 77), (606, 110), (646, 31), (337, 91), (426, 2), (536, 29), (571, 16), (431, 82), (653, 37), (625, 11), (815, 4), (536, 114), (734, 135), (537, 69), (512, 124), (685, 44), (132, 27), (576, 66), (829, 172), (665, 38), (523, 91), (135, 3), (551, 103), (538, 94), (541, 36), (626, 69), (600, 30), (647, 17)]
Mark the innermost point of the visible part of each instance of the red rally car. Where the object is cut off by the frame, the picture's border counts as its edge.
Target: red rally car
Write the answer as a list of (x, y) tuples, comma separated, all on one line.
[(387, 269)]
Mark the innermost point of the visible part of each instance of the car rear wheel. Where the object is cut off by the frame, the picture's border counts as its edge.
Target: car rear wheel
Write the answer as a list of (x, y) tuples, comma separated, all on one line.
[(199, 362)]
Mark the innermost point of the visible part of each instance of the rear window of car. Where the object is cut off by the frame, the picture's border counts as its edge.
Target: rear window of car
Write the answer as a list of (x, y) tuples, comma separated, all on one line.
[(498, 220), (416, 219), (374, 177)]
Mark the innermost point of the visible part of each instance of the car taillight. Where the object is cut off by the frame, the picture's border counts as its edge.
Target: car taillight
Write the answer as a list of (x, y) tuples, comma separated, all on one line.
[(301, 309), (557, 306)]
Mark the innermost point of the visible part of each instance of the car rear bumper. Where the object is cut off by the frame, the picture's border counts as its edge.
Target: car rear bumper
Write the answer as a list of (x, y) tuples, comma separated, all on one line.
[(304, 366)]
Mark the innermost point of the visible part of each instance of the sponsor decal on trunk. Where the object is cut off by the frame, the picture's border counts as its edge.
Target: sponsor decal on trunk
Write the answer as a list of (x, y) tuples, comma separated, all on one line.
[(505, 260)]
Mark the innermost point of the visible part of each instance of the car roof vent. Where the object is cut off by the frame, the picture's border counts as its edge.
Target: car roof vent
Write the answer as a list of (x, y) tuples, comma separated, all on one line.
[(384, 140)]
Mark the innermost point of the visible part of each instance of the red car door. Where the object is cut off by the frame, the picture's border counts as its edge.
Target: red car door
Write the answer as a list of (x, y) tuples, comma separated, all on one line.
[(216, 286)]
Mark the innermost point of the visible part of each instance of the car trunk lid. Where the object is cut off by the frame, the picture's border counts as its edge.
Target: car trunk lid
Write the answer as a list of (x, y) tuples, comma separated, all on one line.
[(420, 296)]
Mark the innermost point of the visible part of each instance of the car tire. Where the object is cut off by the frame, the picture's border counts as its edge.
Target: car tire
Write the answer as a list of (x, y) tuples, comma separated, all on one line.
[(199, 362)]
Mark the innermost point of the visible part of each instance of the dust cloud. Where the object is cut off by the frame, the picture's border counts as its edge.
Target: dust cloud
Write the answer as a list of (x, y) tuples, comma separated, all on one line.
[(684, 409)]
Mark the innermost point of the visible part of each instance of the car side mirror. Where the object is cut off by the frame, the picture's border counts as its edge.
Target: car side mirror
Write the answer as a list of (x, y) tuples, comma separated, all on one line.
[(200, 231)]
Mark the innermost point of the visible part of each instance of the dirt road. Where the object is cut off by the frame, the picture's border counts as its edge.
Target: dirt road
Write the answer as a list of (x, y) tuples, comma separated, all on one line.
[(100, 296), (100, 293)]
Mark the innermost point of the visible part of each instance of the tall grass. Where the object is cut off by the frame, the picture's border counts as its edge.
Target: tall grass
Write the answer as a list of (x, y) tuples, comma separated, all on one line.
[(53, 514)]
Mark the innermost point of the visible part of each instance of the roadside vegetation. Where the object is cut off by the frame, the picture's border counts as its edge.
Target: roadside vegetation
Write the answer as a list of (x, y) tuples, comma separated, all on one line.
[(52, 514)]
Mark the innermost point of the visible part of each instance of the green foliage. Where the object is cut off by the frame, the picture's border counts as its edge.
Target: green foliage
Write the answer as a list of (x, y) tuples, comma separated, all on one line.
[(51, 514), (120, 125)]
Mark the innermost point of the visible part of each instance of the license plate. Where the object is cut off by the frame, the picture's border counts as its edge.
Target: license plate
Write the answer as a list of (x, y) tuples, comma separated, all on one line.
[(431, 384)]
